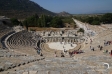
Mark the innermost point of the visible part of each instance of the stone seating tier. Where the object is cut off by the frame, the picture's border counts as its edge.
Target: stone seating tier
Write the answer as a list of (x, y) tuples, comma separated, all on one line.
[(21, 39)]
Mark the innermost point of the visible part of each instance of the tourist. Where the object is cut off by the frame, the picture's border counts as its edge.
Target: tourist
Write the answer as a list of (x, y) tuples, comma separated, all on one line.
[(56, 54), (93, 48), (109, 42), (90, 47), (41, 54), (62, 54), (91, 41), (65, 51), (63, 46), (70, 53), (38, 51), (101, 48), (111, 53), (98, 46), (105, 43), (106, 51)]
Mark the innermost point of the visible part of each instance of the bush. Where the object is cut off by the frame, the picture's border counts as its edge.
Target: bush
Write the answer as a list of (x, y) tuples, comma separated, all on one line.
[(81, 30), (15, 21), (95, 23)]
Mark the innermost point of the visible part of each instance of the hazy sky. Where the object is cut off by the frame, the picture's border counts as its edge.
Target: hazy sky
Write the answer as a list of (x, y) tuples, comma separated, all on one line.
[(76, 6)]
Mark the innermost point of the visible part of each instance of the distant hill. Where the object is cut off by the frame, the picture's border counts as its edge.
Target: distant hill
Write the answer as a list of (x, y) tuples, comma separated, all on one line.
[(21, 8), (64, 13)]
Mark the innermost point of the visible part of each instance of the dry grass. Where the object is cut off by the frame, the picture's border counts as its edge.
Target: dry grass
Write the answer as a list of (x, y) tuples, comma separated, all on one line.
[(41, 29), (46, 29)]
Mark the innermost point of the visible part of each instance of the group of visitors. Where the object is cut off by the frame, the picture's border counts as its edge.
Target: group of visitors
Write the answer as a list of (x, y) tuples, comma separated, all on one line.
[(62, 54), (92, 48), (107, 42), (111, 53), (101, 47), (75, 52)]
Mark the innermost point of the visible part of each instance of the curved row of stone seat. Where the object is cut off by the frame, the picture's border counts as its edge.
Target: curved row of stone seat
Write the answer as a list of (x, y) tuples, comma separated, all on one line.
[(3, 31), (20, 40), (13, 41), (6, 53)]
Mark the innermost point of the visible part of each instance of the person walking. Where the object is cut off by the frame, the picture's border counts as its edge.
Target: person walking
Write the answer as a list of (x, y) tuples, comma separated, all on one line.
[(101, 48), (90, 48), (98, 46), (111, 53), (93, 48)]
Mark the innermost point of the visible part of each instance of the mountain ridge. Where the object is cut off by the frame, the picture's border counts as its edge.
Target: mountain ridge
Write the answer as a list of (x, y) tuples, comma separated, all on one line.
[(64, 13), (21, 8)]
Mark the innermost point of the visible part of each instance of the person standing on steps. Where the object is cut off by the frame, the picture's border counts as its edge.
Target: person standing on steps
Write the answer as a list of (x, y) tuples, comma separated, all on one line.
[(90, 48), (98, 46), (55, 54), (91, 41), (70, 54), (111, 53), (62, 54), (41, 54), (101, 47), (93, 48)]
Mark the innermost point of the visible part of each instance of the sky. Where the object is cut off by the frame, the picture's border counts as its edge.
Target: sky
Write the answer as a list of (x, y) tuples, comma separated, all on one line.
[(76, 6)]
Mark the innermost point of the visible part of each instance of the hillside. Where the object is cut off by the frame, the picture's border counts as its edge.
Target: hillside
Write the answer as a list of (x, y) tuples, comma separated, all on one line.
[(64, 13), (21, 8)]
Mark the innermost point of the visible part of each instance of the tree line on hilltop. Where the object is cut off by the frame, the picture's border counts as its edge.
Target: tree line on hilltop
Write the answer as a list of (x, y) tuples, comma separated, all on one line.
[(58, 21), (96, 20), (44, 21)]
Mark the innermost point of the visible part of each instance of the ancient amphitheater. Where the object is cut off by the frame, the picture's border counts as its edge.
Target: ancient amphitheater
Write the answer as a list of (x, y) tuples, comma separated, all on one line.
[(56, 52)]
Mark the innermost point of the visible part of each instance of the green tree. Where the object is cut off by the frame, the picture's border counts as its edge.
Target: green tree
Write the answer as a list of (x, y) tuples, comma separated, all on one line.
[(15, 21), (57, 22), (95, 22), (106, 18), (25, 24), (43, 20), (81, 30)]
